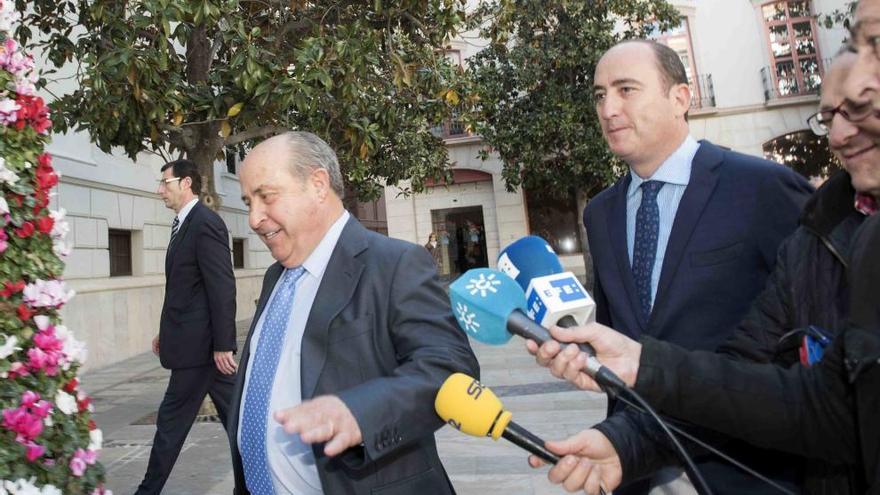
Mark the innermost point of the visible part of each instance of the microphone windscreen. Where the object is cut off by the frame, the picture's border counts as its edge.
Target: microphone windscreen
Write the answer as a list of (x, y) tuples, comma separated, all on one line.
[(469, 406), (527, 258), (482, 300)]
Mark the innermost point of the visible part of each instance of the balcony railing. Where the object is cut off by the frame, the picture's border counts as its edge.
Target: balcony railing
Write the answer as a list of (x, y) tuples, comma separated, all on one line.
[(702, 92), (788, 84), (452, 128)]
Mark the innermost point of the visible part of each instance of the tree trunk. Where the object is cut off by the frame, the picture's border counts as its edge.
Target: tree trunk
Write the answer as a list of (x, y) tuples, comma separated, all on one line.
[(207, 145)]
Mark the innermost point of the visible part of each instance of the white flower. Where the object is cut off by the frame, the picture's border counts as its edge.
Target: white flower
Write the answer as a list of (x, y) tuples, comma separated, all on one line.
[(96, 440), (48, 421), (8, 16), (42, 321), (61, 248), (6, 175), (47, 293), (9, 345), (61, 226), (4, 206), (75, 350), (27, 487), (65, 402)]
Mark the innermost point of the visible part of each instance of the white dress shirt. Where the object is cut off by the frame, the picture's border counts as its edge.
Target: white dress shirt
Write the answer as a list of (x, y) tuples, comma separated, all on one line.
[(181, 215), (675, 173), (291, 461)]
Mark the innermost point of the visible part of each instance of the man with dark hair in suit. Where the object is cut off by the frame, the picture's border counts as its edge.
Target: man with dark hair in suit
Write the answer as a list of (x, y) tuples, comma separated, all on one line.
[(196, 337), (352, 338), (684, 242)]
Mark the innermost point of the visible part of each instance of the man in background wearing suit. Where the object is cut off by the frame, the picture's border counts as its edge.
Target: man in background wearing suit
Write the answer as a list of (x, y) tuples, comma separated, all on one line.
[(352, 338), (197, 329), (684, 242)]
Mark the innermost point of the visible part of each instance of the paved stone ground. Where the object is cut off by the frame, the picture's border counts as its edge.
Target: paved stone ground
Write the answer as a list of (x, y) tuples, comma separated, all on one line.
[(127, 395)]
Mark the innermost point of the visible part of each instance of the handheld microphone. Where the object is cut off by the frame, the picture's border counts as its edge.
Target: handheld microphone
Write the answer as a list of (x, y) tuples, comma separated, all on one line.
[(553, 297), (490, 307), (470, 407), (527, 258)]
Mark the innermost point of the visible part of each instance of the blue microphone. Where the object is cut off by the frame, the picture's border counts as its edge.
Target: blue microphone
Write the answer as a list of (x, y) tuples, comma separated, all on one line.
[(490, 307), (527, 258), (553, 296)]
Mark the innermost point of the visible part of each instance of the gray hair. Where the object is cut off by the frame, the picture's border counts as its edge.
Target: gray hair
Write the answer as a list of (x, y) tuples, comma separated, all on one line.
[(308, 152)]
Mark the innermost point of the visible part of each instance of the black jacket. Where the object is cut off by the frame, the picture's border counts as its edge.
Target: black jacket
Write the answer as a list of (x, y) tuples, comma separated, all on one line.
[(807, 287), (198, 315), (829, 411)]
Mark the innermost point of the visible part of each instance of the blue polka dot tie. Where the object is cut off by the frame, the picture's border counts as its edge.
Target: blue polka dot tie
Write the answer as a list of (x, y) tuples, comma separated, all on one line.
[(263, 364), (645, 243)]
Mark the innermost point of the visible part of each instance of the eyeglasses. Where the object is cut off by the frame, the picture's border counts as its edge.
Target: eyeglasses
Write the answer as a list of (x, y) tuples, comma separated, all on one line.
[(820, 122), (865, 34), (165, 182)]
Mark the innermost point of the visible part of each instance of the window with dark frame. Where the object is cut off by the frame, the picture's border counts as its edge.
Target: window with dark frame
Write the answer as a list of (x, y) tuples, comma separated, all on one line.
[(555, 219), (795, 62), (237, 253), (120, 252)]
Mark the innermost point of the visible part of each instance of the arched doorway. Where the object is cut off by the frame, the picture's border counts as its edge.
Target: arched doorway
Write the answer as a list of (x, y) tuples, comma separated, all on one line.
[(460, 224), (805, 152)]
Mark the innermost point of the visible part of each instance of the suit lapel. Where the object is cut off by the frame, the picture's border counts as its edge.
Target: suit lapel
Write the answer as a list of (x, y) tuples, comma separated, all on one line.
[(181, 232), (616, 219), (704, 177), (336, 290)]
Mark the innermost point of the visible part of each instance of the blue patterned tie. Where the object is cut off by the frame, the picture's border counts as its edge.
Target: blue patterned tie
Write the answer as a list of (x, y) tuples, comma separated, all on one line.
[(645, 243), (259, 387)]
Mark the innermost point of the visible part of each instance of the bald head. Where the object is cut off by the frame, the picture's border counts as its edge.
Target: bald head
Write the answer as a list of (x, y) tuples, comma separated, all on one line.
[(303, 152)]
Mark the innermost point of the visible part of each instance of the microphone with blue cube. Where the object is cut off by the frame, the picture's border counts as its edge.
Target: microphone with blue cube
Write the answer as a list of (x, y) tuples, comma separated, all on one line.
[(527, 258), (491, 307), (553, 296)]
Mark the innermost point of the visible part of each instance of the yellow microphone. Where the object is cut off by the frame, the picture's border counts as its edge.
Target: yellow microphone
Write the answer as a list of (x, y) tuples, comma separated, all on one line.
[(470, 407)]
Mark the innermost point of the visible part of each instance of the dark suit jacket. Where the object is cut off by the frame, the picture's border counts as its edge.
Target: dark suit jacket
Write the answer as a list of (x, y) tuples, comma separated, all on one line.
[(733, 216), (198, 315), (382, 337)]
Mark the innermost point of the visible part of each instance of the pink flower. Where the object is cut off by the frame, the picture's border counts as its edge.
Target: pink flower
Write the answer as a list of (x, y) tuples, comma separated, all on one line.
[(25, 425), (82, 458), (42, 409), (29, 398), (77, 466), (3, 240), (34, 451), (17, 369)]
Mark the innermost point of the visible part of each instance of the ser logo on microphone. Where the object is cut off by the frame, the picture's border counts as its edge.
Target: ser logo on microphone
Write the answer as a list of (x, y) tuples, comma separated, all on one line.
[(475, 389)]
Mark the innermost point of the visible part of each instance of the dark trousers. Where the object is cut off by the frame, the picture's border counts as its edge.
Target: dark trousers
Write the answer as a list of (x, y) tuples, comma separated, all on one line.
[(186, 390)]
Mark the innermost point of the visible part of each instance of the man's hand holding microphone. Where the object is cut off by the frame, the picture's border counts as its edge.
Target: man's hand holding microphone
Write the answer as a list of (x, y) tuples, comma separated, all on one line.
[(614, 350)]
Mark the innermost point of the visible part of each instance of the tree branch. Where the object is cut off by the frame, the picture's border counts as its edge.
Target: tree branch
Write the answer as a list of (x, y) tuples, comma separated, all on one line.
[(257, 132)]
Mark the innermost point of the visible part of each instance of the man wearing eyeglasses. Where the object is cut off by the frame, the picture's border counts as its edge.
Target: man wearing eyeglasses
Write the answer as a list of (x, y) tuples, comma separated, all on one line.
[(197, 328), (805, 298)]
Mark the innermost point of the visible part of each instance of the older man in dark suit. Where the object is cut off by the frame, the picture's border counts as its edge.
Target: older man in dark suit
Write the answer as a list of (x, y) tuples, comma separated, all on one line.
[(352, 338), (197, 329)]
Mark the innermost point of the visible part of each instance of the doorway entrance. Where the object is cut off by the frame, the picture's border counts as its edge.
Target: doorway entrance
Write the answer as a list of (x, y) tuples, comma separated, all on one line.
[(461, 235)]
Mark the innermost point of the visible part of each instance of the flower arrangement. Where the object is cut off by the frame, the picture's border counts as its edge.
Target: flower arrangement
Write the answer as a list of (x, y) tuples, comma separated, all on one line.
[(48, 441)]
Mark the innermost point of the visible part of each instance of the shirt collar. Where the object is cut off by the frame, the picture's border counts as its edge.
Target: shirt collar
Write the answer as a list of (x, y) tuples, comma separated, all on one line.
[(317, 262), (674, 170), (181, 216)]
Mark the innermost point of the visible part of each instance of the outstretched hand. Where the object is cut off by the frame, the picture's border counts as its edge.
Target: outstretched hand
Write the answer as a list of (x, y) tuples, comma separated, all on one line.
[(322, 419)]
